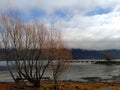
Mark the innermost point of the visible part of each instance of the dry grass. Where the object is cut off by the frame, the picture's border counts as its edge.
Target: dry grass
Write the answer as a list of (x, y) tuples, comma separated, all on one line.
[(64, 86)]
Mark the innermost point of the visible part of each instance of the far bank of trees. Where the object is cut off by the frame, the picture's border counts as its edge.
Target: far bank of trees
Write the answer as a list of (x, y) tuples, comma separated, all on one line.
[(108, 56), (35, 48)]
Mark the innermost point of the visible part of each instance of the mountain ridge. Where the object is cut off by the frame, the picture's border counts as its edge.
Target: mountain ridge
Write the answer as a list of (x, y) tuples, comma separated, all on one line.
[(93, 54)]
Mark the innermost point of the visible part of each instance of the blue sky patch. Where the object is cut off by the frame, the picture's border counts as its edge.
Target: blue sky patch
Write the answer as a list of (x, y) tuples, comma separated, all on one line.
[(99, 11), (34, 13), (26, 16), (61, 13)]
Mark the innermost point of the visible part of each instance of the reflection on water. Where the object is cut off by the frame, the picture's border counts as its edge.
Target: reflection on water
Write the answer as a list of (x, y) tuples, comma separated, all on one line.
[(75, 72)]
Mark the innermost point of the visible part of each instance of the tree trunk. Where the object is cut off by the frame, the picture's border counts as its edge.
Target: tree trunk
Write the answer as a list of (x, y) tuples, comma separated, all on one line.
[(36, 84), (56, 84)]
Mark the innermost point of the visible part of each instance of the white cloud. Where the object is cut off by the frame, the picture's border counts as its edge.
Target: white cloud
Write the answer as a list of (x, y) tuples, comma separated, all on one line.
[(80, 31), (93, 32), (52, 5)]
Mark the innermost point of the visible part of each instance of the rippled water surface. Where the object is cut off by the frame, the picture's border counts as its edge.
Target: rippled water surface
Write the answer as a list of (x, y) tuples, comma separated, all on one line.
[(75, 72)]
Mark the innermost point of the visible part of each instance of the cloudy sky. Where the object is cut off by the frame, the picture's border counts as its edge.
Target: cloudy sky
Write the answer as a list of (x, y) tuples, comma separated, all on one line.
[(86, 24)]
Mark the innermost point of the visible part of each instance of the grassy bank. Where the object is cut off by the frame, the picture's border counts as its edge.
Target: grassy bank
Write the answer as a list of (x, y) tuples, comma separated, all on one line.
[(64, 86)]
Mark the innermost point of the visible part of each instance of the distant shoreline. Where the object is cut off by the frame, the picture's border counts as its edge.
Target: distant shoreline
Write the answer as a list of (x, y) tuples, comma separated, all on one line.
[(108, 62)]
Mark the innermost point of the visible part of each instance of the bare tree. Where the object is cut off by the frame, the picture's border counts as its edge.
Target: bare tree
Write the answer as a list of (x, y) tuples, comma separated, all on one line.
[(31, 48), (108, 56), (60, 64), (61, 56)]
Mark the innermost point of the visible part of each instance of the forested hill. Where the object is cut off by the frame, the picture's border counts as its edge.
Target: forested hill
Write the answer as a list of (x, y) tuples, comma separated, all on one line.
[(93, 54), (76, 54)]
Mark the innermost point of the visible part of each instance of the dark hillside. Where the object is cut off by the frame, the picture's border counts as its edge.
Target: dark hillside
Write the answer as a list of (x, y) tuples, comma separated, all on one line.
[(93, 54)]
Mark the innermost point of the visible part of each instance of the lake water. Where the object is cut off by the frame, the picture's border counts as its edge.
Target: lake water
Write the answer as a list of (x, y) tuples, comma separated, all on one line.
[(75, 72)]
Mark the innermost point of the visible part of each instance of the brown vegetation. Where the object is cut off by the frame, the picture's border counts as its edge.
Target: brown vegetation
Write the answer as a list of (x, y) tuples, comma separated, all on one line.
[(64, 86)]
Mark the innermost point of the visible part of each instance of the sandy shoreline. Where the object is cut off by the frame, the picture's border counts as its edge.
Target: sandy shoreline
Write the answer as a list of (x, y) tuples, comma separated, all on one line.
[(64, 85)]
